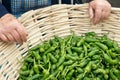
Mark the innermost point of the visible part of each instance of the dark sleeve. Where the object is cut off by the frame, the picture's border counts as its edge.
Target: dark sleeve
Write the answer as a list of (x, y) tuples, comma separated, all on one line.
[(69, 1), (7, 4), (86, 1), (90, 0), (63, 1), (3, 10)]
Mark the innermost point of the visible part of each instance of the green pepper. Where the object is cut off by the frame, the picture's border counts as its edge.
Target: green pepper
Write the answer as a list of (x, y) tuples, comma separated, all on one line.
[(44, 59), (102, 46), (118, 50), (113, 77), (53, 59), (69, 50), (112, 54), (94, 66), (69, 75), (90, 34), (82, 55), (41, 49), (88, 68), (80, 76), (31, 72), (96, 78), (25, 73), (115, 45), (116, 72), (80, 43), (66, 63), (99, 70), (46, 46), (63, 73), (35, 48), (70, 57), (45, 71), (96, 57), (109, 59), (91, 39), (68, 39), (77, 49), (107, 41), (61, 60), (34, 77), (84, 62), (53, 68), (35, 67), (85, 50), (20, 79), (36, 55), (52, 75), (75, 40), (87, 78), (79, 70), (90, 54), (29, 59), (52, 48), (24, 67), (75, 64)]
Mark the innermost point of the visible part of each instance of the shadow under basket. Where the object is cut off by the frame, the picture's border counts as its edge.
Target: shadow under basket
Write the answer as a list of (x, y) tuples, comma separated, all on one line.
[(42, 24)]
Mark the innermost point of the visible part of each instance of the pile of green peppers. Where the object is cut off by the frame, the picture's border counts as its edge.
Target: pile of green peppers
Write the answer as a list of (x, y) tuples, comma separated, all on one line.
[(84, 57)]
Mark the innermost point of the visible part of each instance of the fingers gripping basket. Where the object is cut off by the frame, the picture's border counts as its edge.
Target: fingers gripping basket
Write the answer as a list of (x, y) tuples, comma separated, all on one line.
[(43, 24)]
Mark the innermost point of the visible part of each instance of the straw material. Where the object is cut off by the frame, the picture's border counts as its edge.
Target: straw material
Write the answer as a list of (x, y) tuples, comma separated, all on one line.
[(42, 24)]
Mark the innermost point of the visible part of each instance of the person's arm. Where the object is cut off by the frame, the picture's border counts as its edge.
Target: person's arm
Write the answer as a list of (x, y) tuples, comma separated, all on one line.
[(3, 10)]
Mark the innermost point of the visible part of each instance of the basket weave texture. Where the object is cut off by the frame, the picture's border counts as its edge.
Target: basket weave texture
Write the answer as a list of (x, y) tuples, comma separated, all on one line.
[(42, 24)]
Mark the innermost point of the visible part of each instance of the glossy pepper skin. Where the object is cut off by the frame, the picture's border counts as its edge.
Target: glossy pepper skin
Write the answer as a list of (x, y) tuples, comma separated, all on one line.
[(64, 59)]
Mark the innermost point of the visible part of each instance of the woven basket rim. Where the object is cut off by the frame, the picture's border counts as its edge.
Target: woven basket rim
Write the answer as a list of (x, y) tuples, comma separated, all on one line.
[(42, 24)]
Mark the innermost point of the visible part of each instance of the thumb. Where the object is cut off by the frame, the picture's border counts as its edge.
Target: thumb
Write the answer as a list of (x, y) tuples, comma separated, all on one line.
[(91, 12)]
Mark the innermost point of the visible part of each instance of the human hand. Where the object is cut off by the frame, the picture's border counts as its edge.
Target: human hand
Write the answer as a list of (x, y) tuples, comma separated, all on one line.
[(11, 30), (99, 10)]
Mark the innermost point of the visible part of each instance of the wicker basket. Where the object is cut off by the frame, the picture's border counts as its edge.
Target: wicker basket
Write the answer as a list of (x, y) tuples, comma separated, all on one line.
[(43, 24)]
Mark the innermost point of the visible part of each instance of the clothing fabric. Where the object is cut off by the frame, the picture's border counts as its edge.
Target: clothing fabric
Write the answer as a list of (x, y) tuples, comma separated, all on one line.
[(17, 7), (3, 10), (20, 6)]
